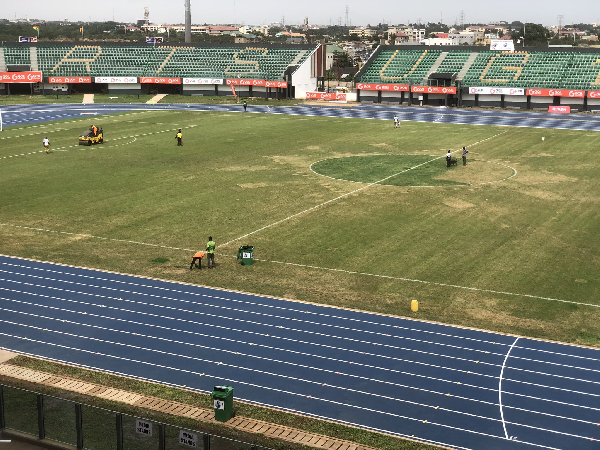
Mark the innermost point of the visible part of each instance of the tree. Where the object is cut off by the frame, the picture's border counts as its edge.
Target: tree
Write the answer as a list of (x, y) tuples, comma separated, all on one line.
[(535, 35)]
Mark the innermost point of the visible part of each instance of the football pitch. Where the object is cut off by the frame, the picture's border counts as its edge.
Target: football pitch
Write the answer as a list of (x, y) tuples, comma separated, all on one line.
[(346, 212)]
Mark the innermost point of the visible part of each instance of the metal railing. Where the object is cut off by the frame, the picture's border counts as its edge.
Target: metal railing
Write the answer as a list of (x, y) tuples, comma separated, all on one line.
[(90, 427)]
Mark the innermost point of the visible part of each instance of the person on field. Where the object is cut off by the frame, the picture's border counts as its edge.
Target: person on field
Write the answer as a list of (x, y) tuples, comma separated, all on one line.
[(46, 144), (464, 156), (210, 250), (396, 121), (179, 137), (245, 105), (197, 257), (94, 129), (450, 161)]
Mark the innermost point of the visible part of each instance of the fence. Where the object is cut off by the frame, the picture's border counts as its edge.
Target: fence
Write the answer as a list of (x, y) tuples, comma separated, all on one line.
[(90, 427)]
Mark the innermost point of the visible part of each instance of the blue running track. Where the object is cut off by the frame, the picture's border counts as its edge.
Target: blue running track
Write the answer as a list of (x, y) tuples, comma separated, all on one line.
[(435, 383), (30, 114)]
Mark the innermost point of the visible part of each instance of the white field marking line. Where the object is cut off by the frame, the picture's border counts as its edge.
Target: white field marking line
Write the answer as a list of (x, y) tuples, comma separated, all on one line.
[(134, 137), (411, 186), (500, 387), (55, 130), (243, 311), (252, 322), (351, 192), (233, 300), (263, 372), (413, 280), (272, 359), (381, 334), (262, 334), (308, 266), (192, 388)]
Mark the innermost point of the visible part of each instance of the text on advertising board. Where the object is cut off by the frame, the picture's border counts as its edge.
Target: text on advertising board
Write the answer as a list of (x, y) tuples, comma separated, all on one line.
[(559, 109), (433, 90), (20, 77), (203, 81), (159, 80), (128, 80), (248, 82), (382, 87), (325, 96), (555, 93), (496, 90), (593, 94), (73, 80)]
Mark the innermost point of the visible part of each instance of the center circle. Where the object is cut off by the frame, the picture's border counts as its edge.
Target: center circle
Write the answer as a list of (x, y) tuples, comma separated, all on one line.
[(411, 170)]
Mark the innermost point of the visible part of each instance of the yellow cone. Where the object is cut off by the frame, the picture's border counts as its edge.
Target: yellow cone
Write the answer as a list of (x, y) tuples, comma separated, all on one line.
[(414, 306)]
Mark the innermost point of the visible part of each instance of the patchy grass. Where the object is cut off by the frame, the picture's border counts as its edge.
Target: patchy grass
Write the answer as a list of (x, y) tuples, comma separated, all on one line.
[(529, 236)]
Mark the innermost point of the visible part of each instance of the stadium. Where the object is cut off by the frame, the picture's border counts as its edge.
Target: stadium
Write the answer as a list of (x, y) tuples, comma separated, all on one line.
[(389, 300)]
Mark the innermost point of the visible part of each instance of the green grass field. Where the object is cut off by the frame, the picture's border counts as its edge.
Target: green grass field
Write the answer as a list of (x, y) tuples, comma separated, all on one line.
[(508, 243)]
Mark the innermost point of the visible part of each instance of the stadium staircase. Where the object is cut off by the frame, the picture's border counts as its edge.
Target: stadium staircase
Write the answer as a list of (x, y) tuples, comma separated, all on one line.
[(467, 66), (2, 60), (167, 59), (437, 63), (34, 59), (298, 58)]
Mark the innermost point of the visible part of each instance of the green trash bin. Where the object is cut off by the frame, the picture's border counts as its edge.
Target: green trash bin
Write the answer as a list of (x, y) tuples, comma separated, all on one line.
[(223, 402), (246, 254)]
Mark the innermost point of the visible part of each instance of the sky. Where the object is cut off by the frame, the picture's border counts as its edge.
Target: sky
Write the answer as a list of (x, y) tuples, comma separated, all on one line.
[(319, 12)]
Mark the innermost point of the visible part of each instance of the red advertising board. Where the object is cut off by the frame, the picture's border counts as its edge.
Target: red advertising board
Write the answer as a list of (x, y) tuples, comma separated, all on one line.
[(245, 82), (555, 93), (72, 80), (276, 84), (159, 80), (20, 77), (325, 96), (559, 109), (433, 90), (382, 87), (593, 94)]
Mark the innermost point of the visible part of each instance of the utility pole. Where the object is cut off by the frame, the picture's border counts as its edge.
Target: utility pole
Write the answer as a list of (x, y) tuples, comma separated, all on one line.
[(347, 22), (188, 22)]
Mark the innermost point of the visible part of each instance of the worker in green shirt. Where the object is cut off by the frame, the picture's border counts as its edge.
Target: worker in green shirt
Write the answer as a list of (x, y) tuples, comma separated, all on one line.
[(210, 251), (245, 105)]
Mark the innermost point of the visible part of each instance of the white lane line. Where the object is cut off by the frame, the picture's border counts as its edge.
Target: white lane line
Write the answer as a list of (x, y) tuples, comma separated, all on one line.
[(328, 325), (430, 391), (251, 322), (243, 311), (233, 300), (229, 329), (287, 377), (500, 388), (350, 193)]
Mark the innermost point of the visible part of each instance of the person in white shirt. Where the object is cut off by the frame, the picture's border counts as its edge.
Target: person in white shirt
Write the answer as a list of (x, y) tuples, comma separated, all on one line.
[(396, 122), (46, 144)]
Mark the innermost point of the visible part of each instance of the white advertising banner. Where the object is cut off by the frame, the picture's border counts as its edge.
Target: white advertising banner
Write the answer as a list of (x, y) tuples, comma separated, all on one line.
[(128, 80), (202, 81), (504, 45), (496, 91)]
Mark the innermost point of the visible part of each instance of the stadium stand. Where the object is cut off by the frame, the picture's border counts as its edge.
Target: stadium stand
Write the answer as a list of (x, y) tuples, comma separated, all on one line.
[(166, 61), (524, 69)]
